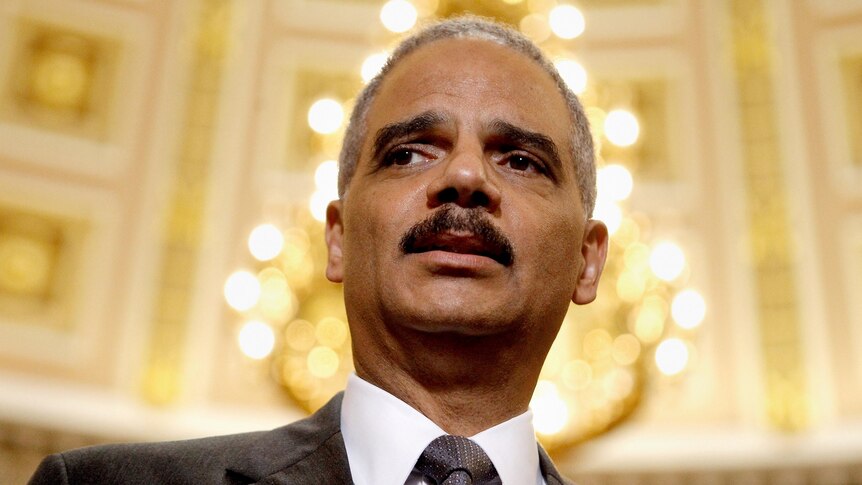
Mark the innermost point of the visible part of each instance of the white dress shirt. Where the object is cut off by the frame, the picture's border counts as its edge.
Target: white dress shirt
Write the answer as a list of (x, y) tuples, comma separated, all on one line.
[(384, 437)]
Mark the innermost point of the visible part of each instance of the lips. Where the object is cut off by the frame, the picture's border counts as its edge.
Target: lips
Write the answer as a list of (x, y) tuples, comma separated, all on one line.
[(461, 243), (460, 231)]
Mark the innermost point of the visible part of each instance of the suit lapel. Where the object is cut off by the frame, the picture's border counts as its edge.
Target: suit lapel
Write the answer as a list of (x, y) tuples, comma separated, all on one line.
[(549, 471), (326, 464), (310, 451)]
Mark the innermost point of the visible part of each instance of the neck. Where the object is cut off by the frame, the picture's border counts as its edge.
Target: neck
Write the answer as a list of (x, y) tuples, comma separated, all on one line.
[(464, 384)]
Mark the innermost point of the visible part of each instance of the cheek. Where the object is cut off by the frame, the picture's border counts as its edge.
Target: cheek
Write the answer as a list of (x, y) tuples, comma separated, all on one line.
[(364, 233), (374, 224), (555, 245)]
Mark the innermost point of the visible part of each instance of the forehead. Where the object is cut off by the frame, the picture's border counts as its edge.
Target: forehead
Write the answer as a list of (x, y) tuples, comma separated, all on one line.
[(473, 81)]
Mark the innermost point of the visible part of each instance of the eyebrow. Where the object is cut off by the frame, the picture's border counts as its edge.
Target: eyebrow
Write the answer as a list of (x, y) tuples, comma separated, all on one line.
[(527, 138), (422, 122)]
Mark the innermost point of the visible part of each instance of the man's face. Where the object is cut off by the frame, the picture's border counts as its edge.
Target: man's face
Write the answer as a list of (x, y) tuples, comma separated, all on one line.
[(464, 214)]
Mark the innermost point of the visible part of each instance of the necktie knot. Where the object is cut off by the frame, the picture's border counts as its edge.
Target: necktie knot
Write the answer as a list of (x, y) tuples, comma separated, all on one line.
[(456, 460)]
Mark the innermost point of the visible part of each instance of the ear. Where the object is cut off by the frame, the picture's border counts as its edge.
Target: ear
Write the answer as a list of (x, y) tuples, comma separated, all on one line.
[(594, 250), (334, 240)]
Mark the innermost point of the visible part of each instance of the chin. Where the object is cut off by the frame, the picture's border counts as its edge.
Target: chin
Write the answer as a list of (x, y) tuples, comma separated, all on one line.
[(441, 304), (458, 318)]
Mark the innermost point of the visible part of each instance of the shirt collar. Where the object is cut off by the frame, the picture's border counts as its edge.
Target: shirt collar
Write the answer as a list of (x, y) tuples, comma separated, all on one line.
[(384, 437), (512, 447)]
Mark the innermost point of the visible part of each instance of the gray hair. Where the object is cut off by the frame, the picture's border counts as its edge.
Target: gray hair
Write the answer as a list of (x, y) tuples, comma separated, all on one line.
[(472, 27)]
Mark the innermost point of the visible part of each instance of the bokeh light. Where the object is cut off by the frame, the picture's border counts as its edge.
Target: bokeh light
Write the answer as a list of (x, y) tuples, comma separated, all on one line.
[(398, 15), (265, 242), (636, 257), (626, 349), (609, 213), (597, 344), (300, 335), (631, 286), (242, 290), (326, 178), (667, 261), (671, 356), (256, 339), (619, 383), (318, 203), (372, 65), (573, 73), (277, 300), (614, 182), (535, 26), (331, 331), (648, 325), (621, 127), (550, 413), (596, 116), (322, 362), (325, 116), (688, 309), (566, 21)]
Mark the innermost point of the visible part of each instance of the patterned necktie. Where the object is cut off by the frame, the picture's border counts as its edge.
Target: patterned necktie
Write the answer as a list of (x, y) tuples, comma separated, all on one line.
[(455, 460)]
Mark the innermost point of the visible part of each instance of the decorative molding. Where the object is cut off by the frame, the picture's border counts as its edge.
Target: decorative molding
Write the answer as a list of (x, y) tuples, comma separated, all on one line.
[(804, 173), (184, 222), (293, 74), (852, 255), (771, 239), (653, 70), (633, 21), (68, 328), (334, 18), (71, 96), (836, 49)]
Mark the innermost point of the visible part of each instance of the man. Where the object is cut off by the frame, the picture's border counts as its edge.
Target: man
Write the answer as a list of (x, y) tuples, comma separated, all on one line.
[(467, 180)]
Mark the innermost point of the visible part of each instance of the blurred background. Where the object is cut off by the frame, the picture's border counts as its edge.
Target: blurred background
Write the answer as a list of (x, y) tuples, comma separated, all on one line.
[(165, 165)]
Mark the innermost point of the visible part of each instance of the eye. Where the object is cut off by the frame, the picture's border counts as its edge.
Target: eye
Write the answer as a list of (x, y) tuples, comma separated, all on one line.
[(404, 156), (522, 163)]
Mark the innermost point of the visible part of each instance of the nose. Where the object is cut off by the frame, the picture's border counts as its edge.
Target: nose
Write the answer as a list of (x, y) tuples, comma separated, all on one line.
[(465, 181)]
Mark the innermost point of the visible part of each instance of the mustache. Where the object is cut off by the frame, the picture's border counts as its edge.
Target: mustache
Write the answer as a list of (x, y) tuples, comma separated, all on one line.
[(448, 219)]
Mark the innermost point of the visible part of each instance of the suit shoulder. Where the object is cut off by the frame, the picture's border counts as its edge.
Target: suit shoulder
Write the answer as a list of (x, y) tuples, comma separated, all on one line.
[(229, 459), (52, 471), (203, 460), (209, 448)]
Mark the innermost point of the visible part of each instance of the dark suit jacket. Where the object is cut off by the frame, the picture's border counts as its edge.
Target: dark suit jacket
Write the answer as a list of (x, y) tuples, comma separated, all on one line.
[(310, 451)]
